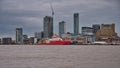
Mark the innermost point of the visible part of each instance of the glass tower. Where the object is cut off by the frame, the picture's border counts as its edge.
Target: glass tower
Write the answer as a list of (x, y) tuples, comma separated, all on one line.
[(19, 36), (62, 27), (48, 27), (76, 23)]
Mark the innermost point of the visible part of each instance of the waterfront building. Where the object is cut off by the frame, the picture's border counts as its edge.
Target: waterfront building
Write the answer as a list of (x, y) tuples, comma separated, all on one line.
[(75, 39), (25, 39), (62, 27), (67, 36), (32, 40), (19, 36), (7, 41), (42, 34), (106, 32), (0, 41), (88, 33), (81, 40), (76, 23), (25, 36), (95, 27), (37, 35), (48, 27)]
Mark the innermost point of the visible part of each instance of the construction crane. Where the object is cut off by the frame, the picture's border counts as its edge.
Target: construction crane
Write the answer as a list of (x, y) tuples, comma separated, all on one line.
[(52, 9)]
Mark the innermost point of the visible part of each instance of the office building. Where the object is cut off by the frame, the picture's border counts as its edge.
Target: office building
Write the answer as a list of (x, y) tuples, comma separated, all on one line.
[(95, 27), (62, 28), (19, 36), (25, 39), (48, 27), (87, 32), (38, 35), (7, 41), (76, 23)]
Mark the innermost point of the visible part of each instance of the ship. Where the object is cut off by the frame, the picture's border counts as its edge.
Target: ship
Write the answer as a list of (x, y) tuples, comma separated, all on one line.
[(55, 40)]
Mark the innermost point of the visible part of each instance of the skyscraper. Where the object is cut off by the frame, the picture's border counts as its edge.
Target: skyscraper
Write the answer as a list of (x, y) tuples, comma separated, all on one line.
[(19, 36), (76, 23), (62, 27), (48, 27)]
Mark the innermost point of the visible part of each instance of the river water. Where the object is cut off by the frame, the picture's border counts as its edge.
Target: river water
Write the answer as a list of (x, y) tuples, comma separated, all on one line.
[(51, 56)]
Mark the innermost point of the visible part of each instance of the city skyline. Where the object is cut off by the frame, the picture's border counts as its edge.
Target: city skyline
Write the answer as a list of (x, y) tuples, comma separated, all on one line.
[(29, 14)]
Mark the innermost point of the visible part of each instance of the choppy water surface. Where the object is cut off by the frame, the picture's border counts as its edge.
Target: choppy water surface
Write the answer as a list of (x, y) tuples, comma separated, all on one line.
[(33, 56)]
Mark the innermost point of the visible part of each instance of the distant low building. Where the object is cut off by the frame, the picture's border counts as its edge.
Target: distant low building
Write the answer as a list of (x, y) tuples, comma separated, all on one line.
[(0, 41), (39, 35), (25, 39), (81, 40), (75, 39), (32, 40), (7, 41), (66, 37)]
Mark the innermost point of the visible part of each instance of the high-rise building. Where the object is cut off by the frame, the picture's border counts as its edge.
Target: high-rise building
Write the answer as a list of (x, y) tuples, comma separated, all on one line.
[(19, 36), (76, 23), (62, 27), (48, 27), (95, 27)]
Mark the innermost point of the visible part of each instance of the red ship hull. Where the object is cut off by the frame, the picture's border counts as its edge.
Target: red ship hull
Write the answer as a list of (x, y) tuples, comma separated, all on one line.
[(59, 42)]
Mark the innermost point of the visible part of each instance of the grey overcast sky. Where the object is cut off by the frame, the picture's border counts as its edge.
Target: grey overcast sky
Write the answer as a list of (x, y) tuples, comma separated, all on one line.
[(28, 14)]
